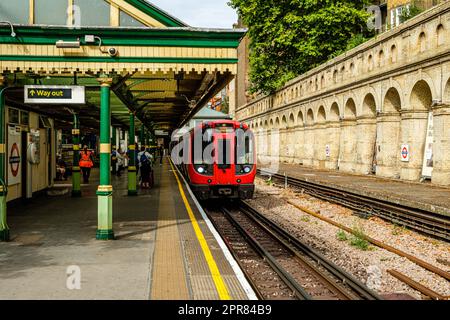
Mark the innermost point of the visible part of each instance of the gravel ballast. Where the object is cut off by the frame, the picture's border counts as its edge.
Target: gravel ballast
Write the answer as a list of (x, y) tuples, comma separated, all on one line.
[(369, 264)]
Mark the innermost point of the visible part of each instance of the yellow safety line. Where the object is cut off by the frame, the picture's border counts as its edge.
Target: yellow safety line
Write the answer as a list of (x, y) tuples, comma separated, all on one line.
[(217, 277)]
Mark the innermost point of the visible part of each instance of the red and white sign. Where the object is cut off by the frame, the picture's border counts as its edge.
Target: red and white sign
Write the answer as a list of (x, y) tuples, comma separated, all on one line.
[(14, 156), (405, 153)]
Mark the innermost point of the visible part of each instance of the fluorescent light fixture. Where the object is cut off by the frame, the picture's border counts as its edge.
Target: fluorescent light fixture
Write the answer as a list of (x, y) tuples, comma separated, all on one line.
[(67, 44)]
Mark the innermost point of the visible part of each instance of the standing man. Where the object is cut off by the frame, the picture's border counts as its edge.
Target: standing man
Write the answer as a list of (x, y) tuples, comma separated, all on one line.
[(145, 167), (114, 161), (161, 154), (86, 163)]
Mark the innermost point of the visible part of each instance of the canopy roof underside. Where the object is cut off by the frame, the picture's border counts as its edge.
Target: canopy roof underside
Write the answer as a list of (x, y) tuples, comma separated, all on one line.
[(164, 76)]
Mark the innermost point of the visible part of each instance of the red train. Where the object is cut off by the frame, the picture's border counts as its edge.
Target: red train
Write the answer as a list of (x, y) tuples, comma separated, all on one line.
[(218, 160)]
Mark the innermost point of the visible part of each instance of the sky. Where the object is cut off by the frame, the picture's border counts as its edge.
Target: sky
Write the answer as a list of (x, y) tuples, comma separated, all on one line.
[(200, 13)]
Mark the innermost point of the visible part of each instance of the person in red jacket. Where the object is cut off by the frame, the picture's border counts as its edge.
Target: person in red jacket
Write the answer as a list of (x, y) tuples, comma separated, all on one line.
[(86, 163)]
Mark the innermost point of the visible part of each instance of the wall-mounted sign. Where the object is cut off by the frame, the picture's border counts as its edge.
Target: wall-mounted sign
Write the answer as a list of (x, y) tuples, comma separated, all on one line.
[(327, 151), (55, 94), (405, 153), (427, 169), (14, 155)]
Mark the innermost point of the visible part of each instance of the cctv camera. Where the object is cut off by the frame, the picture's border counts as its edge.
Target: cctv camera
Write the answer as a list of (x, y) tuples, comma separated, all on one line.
[(112, 52)]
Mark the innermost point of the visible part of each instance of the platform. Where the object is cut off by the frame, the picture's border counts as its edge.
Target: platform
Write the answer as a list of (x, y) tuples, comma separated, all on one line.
[(156, 255), (417, 195)]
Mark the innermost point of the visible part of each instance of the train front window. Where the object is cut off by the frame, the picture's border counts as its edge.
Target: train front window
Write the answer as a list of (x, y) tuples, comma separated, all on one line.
[(245, 148), (224, 152)]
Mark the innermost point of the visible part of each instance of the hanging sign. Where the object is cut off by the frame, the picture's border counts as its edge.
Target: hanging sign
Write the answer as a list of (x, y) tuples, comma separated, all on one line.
[(55, 94), (405, 153)]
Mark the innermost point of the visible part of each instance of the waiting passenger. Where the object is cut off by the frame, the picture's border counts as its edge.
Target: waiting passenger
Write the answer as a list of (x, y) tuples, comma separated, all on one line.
[(86, 163), (145, 167)]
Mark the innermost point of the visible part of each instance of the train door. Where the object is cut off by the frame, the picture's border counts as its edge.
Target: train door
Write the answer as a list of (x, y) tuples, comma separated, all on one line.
[(224, 159)]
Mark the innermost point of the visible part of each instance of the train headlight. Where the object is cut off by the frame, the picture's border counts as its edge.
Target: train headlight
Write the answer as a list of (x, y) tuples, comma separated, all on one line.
[(201, 170), (247, 169)]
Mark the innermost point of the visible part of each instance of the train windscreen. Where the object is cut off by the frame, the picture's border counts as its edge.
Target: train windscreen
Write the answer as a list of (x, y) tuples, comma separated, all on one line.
[(224, 149)]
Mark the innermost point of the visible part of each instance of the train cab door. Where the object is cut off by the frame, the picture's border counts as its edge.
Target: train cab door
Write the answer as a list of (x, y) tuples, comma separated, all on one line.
[(224, 159)]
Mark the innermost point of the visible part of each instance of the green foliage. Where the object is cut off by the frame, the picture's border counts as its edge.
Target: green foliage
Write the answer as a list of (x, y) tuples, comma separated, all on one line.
[(342, 236), (359, 239), (290, 37), (269, 182), (352, 43), (411, 12), (305, 219)]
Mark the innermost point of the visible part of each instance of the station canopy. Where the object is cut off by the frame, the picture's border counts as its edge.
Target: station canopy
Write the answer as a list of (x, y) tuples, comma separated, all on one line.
[(163, 70)]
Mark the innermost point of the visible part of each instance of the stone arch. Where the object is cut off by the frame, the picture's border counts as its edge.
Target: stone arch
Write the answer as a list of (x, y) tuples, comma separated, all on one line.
[(421, 97), (446, 93), (291, 120), (335, 76), (350, 109), (422, 42), (370, 62), (392, 102), (334, 115), (271, 123), (277, 122), (394, 53), (352, 69), (284, 121), (440, 32), (310, 117), (369, 106), (321, 115), (266, 124), (322, 82), (300, 119), (381, 58)]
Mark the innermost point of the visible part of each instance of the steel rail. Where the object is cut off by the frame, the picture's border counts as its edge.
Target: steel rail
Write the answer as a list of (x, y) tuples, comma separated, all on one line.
[(417, 219), (357, 286), (298, 290)]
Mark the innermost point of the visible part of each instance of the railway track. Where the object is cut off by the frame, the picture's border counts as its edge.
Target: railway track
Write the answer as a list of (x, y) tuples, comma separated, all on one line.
[(423, 221), (278, 265)]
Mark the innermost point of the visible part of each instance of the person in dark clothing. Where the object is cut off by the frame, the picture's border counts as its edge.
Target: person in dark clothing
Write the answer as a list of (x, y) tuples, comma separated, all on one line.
[(161, 154), (114, 161), (145, 167)]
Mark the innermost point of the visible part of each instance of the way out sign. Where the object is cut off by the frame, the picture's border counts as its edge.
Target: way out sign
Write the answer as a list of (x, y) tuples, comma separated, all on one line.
[(405, 153), (55, 94)]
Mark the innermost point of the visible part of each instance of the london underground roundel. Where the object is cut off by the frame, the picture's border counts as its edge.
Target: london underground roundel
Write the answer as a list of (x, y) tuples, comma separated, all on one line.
[(14, 160)]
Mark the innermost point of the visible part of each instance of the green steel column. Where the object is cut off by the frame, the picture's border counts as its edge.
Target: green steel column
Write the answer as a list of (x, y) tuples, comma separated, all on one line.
[(4, 229), (105, 189), (76, 188), (132, 190), (114, 148)]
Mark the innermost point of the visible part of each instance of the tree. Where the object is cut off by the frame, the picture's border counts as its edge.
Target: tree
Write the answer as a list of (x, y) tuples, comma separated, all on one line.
[(290, 37), (410, 12)]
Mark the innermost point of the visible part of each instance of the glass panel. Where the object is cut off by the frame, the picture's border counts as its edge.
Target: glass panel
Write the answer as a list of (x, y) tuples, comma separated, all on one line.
[(94, 13), (17, 11), (51, 12), (128, 21), (24, 118), (13, 115)]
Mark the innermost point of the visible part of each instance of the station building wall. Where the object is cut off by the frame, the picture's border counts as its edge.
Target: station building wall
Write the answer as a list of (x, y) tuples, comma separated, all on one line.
[(42, 176)]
